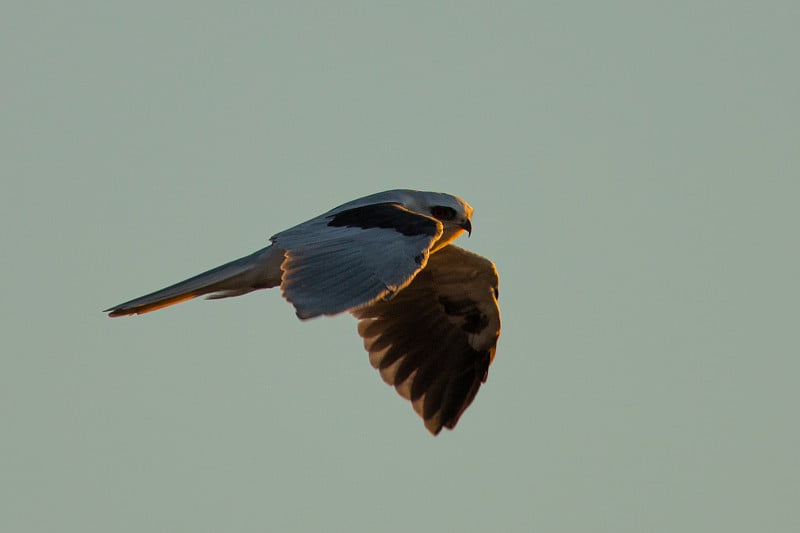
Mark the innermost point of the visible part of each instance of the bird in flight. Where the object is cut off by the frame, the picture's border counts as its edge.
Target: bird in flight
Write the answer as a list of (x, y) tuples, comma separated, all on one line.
[(427, 310)]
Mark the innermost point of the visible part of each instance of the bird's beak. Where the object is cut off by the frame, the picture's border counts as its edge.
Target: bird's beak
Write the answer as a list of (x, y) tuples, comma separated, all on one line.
[(467, 225)]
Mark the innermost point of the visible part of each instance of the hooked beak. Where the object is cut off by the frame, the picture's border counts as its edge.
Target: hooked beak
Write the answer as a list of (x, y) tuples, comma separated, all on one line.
[(467, 225)]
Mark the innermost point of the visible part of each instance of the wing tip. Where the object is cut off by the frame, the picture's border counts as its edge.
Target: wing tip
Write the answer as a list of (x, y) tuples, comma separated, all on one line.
[(434, 426)]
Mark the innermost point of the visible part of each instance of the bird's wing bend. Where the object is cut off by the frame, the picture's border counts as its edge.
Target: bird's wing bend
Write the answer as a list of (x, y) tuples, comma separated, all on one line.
[(435, 339), (351, 257)]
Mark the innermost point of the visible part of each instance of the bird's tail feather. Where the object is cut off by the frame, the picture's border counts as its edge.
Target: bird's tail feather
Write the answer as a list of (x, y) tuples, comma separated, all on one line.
[(260, 270)]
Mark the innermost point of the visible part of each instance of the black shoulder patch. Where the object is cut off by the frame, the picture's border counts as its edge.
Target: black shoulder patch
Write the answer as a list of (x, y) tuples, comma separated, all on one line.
[(473, 321), (386, 216)]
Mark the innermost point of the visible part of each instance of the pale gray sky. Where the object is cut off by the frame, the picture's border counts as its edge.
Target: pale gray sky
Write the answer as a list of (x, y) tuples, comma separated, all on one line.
[(635, 176)]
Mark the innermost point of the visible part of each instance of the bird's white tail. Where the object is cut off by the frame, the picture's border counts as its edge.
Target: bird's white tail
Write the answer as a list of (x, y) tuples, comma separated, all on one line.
[(260, 270)]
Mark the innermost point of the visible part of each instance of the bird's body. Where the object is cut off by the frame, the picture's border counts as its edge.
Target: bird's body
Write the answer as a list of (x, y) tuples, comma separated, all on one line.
[(427, 309)]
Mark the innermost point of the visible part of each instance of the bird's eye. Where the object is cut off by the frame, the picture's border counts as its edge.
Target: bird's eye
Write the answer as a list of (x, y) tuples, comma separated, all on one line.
[(441, 212)]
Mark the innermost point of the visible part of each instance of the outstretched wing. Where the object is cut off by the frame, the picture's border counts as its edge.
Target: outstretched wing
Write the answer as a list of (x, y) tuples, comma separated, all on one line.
[(434, 341), (351, 257)]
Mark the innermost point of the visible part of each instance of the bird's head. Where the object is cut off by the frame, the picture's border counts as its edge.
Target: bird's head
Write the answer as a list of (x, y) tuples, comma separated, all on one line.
[(453, 212)]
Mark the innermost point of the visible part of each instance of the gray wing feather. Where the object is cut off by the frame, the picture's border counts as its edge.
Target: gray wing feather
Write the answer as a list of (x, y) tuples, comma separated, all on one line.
[(330, 269), (435, 340)]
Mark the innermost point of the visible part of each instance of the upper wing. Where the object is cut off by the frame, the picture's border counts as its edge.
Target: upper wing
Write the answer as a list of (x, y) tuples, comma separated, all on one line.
[(435, 339), (351, 257)]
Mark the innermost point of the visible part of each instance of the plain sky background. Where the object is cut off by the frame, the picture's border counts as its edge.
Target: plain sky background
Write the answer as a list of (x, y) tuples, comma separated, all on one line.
[(635, 173)]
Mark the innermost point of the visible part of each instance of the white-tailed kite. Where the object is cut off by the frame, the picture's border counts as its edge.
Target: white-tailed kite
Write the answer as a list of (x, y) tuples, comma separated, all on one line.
[(427, 310)]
